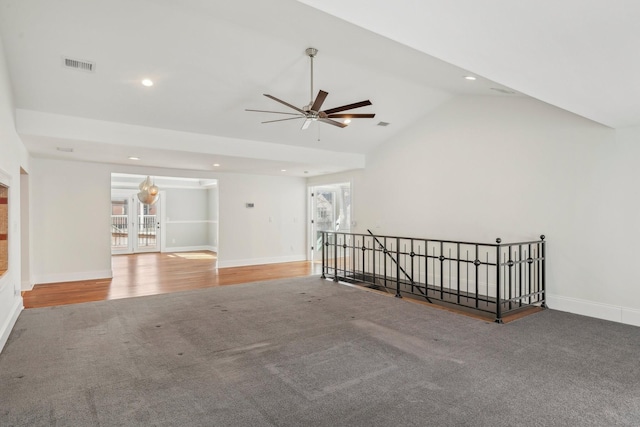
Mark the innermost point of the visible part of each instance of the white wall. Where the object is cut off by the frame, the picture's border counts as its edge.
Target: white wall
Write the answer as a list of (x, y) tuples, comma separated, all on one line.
[(70, 212), (212, 216), (13, 155), (486, 167), (272, 231), (25, 238), (187, 219)]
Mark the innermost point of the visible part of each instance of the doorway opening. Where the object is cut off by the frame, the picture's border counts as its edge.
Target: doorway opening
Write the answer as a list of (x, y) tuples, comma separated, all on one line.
[(330, 211), (183, 219), (135, 226)]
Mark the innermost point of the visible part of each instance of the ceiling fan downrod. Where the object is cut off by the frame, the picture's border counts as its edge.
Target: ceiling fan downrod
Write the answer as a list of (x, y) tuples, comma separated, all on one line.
[(311, 53)]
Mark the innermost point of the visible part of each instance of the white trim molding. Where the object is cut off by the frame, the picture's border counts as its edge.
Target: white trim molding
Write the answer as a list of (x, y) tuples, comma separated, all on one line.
[(614, 313), (191, 249), (193, 221), (258, 261), (6, 329), (74, 276)]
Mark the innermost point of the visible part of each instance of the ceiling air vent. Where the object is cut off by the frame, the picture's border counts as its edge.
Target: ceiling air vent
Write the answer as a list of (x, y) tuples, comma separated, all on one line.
[(78, 64), (383, 124), (501, 90)]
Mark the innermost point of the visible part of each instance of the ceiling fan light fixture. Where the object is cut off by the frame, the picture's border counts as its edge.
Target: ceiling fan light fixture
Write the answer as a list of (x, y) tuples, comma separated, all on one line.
[(347, 121)]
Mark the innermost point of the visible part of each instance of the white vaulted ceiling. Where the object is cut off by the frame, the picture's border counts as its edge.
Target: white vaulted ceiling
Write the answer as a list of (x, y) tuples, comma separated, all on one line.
[(210, 60), (581, 56)]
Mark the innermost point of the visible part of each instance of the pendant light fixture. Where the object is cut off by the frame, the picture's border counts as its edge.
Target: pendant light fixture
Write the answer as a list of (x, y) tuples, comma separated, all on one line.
[(148, 192)]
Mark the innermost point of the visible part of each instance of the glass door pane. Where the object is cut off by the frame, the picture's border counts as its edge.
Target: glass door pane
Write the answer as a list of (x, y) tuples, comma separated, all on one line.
[(120, 225), (135, 227), (331, 211), (147, 223)]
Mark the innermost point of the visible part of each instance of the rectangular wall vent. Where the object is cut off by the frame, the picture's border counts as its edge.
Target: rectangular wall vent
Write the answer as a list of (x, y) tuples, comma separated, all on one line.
[(78, 64), (383, 124)]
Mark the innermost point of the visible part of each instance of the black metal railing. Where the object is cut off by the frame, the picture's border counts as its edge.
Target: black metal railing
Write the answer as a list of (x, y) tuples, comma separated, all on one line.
[(496, 278)]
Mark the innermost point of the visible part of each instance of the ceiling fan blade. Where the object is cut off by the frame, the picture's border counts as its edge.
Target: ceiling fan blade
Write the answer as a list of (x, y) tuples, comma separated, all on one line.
[(317, 104), (282, 120), (348, 107), (333, 122), (284, 103), (350, 116), (274, 112), (306, 124)]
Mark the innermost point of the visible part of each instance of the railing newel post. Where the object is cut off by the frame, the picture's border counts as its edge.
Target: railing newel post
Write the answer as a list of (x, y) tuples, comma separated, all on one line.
[(398, 268), (324, 233), (458, 270), (498, 298), (544, 273), (441, 258), (335, 257), (520, 275)]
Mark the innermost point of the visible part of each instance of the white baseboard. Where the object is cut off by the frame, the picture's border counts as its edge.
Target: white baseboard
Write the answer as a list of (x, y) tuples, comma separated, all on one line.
[(191, 249), (73, 277), (258, 261), (7, 327), (614, 313), (630, 316)]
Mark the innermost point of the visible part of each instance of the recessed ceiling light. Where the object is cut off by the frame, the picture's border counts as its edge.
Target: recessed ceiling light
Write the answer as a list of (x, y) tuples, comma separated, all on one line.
[(347, 121), (216, 165), (283, 170), (469, 77), (147, 82), (133, 158)]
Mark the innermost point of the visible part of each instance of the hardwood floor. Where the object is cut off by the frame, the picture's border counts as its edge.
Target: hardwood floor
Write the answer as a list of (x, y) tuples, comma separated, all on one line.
[(159, 273)]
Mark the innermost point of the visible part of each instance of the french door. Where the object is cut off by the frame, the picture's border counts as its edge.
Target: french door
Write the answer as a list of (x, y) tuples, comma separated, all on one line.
[(330, 211), (135, 227)]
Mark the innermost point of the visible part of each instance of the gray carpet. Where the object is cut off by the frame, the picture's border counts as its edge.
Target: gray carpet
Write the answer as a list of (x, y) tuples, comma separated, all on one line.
[(309, 352)]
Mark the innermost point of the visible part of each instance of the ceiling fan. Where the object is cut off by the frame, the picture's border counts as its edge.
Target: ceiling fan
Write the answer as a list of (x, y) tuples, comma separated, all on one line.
[(312, 112)]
